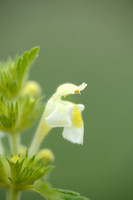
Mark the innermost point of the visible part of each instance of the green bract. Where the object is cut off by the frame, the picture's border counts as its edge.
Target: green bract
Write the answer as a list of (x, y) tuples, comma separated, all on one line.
[(14, 73), (20, 106), (24, 172)]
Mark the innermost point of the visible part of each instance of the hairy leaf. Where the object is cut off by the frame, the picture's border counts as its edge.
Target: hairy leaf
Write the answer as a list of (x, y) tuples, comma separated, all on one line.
[(13, 76)]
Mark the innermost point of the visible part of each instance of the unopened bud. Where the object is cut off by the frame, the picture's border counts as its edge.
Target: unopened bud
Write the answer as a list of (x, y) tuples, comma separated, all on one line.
[(22, 150), (15, 159), (46, 154), (32, 89)]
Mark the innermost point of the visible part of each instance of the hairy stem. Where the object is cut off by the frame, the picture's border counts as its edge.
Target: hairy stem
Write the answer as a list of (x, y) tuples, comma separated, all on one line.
[(41, 132), (14, 143), (1, 148), (13, 194)]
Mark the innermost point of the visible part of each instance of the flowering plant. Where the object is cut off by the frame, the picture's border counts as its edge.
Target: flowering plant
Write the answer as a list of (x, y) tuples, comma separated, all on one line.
[(25, 168)]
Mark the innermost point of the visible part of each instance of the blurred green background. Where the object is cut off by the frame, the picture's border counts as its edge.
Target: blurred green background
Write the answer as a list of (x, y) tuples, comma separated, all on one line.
[(81, 41)]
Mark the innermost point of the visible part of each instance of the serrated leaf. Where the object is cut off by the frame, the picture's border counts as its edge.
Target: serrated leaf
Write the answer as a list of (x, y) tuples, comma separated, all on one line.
[(25, 61), (70, 195), (13, 74), (49, 193), (45, 190)]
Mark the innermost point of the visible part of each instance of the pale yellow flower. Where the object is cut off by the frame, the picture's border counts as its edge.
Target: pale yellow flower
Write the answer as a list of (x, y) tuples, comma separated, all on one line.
[(60, 113)]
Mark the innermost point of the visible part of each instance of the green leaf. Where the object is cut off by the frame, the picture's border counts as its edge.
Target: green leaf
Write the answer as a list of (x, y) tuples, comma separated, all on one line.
[(70, 195), (46, 190), (3, 172), (24, 62), (14, 73), (49, 193)]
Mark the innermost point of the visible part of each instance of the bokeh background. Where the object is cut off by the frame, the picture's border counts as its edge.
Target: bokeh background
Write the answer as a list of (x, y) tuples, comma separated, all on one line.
[(81, 41)]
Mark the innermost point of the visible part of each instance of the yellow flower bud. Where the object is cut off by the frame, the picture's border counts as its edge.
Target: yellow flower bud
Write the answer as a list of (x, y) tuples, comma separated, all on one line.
[(15, 159), (46, 154), (32, 89), (22, 150)]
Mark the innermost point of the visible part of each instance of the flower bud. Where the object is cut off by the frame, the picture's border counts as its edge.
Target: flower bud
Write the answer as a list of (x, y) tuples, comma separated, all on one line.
[(15, 159), (32, 89), (46, 154), (22, 150)]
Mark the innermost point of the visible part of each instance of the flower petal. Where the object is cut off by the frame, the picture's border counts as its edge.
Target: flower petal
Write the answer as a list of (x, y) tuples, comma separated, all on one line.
[(77, 121), (69, 88), (74, 135), (61, 115), (80, 107)]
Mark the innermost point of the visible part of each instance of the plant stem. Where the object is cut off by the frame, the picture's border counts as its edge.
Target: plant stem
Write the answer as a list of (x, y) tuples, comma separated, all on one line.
[(14, 139), (41, 132), (14, 143), (1, 148), (13, 194)]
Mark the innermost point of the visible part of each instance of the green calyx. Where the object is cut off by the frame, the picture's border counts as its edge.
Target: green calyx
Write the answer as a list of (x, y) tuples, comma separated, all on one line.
[(18, 109), (20, 172)]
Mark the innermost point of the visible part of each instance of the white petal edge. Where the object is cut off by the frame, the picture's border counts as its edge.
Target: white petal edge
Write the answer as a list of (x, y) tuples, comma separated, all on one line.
[(68, 88), (80, 107), (74, 135), (82, 86)]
